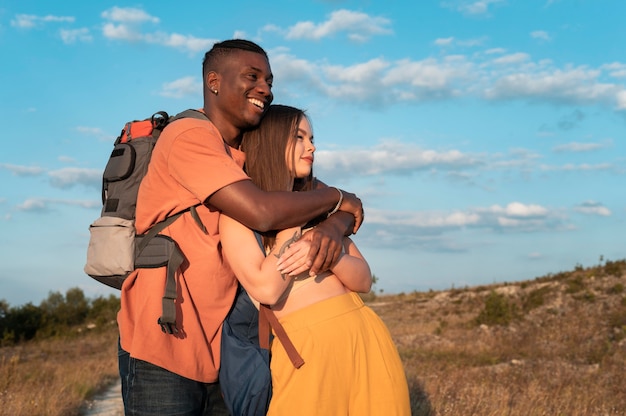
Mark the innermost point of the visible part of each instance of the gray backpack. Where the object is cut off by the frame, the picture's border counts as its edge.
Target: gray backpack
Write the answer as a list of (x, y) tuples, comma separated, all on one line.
[(115, 249)]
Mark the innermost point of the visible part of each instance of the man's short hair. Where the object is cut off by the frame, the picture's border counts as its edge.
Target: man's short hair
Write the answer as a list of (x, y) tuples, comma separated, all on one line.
[(221, 49)]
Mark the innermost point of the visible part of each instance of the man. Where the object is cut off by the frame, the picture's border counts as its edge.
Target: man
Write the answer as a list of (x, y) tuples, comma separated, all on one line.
[(199, 161)]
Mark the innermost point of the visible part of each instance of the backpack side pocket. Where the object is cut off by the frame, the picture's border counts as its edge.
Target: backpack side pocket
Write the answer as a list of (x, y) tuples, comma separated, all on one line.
[(111, 250)]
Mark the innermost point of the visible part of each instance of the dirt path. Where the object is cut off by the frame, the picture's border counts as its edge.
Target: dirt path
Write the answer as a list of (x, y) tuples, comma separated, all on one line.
[(108, 403)]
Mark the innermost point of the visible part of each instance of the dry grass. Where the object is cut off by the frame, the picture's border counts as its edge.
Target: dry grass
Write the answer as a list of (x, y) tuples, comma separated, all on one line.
[(55, 376), (562, 352)]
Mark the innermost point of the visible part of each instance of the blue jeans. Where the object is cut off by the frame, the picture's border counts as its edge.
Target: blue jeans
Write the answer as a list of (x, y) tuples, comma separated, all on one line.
[(151, 390)]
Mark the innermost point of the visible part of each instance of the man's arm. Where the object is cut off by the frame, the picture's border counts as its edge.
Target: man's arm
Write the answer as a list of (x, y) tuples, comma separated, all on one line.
[(324, 238), (264, 211)]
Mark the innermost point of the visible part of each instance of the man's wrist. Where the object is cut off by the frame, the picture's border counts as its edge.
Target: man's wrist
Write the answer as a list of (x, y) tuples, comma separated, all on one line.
[(334, 210), (342, 222)]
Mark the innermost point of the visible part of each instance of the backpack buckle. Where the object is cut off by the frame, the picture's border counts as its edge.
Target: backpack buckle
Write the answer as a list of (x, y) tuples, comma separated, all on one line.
[(168, 327)]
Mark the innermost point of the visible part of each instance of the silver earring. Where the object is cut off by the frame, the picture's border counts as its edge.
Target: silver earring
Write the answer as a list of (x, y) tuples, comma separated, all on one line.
[(214, 92)]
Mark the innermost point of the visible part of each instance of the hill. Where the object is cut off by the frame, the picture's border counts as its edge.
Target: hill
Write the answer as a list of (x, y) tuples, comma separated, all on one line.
[(555, 345)]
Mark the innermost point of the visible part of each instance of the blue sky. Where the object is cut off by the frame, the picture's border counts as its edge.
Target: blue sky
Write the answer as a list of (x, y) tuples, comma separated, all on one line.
[(485, 138)]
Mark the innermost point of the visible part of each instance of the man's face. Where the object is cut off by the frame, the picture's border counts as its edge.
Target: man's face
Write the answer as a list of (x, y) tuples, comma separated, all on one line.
[(245, 88)]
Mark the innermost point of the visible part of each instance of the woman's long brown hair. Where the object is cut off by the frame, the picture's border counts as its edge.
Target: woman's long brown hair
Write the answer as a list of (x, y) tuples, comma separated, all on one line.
[(265, 149)]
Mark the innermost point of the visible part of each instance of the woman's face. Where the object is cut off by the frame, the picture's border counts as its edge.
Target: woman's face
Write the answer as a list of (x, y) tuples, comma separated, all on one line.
[(303, 150)]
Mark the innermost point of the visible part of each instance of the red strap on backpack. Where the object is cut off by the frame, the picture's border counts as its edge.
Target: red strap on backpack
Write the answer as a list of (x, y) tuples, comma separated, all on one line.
[(142, 128)]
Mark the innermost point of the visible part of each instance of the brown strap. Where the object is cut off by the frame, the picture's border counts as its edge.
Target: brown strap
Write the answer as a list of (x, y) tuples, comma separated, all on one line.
[(264, 329), (266, 319)]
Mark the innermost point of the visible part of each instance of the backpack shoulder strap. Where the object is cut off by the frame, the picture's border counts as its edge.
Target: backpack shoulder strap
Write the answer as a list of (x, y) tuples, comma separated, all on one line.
[(189, 113)]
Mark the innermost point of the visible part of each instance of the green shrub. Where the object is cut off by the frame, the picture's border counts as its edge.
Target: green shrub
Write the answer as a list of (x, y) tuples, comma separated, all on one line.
[(615, 289), (587, 296), (613, 268), (536, 298), (498, 310), (575, 285)]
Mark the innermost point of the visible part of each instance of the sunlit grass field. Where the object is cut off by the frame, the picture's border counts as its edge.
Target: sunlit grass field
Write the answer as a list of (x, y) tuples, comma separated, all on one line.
[(555, 345)]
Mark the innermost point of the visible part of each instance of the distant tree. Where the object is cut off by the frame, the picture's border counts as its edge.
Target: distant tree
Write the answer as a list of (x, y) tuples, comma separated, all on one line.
[(4, 311), (62, 312), (104, 310), (77, 306), (22, 323), (4, 308)]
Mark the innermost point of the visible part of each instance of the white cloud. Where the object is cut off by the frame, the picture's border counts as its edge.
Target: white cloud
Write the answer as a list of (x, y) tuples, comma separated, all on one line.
[(29, 21), (494, 51), (357, 26), (422, 219), (42, 205), (593, 208), (66, 159), (187, 86), (19, 170), (621, 100), (578, 147), (34, 205), (126, 24), (583, 167), (120, 32), (471, 7), (178, 41), (74, 35), (572, 85), (460, 42), (240, 34), (615, 69), (359, 73), (513, 76), (69, 177), (444, 41), (389, 157), (90, 131), (95, 132), (515, 216), (517, 210), (540, 34), (514, 58), (128, 15)]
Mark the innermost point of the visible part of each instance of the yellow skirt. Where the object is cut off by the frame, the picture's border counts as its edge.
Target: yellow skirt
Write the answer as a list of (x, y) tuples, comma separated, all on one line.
[(352, 366)]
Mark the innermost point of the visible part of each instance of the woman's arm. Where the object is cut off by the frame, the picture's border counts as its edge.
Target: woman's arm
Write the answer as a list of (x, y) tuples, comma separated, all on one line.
[(352, 269), (255, 271)]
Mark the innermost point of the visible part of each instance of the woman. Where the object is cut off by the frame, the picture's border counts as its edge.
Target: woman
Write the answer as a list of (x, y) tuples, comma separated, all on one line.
[(351, 364)]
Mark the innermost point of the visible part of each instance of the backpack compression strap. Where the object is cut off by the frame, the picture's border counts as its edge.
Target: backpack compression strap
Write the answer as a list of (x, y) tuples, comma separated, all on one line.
[(167, 321)]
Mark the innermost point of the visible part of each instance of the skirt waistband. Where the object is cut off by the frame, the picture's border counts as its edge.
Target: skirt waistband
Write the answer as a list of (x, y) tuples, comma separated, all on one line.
[(321, 311)]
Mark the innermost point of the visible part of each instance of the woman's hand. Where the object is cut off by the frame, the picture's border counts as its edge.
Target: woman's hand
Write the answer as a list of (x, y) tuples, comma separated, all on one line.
[(295, 260), (324, 244)]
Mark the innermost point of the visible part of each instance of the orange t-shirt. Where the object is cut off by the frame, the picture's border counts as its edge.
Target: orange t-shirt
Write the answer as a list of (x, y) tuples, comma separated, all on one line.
[(189, 163)]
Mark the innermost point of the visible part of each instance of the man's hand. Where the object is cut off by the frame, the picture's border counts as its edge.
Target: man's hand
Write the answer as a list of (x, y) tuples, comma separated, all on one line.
[(325, 243), (352, 204)]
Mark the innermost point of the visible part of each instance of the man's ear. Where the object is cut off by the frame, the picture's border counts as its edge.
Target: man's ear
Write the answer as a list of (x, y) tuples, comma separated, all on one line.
[(212, 81)]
